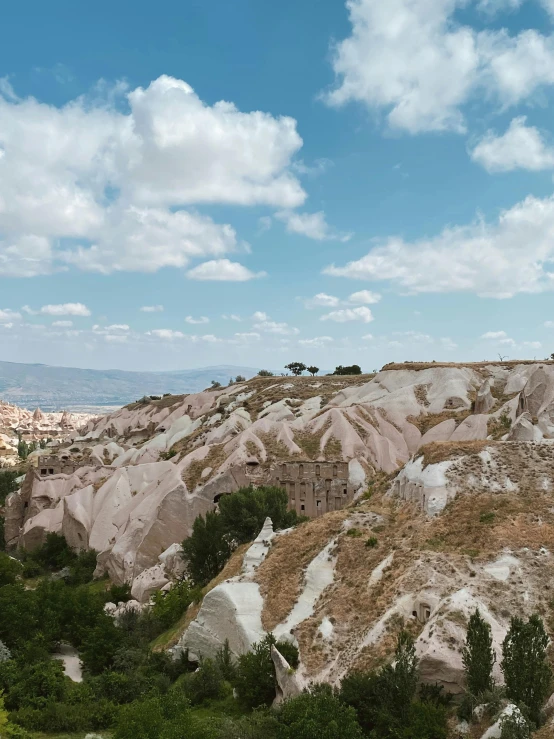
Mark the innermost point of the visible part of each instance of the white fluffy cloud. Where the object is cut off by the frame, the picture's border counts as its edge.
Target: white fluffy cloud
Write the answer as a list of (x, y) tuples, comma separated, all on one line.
[(412, 59), (8, 316), (349, 314), (194, 321), (85, 185), (322, 300), (318, 342), (521, 147), (494, 335), (152, 308), (61, 309), (272, 327), (63, 324), (513, 255), (312, 225), (364, 297), (167, 334), (222, 270)]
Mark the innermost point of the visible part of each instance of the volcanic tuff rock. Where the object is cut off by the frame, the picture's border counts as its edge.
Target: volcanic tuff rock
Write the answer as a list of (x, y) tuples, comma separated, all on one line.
[(458, 463)]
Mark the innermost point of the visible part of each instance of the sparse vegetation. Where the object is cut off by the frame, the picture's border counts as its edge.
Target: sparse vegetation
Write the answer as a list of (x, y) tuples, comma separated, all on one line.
[(353, 369), (265, 373), (296, 368)]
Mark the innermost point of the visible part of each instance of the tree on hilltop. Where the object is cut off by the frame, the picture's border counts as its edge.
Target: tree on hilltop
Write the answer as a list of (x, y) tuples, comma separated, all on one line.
[(353, 369), (313, 370), (296, 368)]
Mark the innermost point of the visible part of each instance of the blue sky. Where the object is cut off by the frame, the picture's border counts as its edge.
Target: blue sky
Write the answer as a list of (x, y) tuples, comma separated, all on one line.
[(253, 183)]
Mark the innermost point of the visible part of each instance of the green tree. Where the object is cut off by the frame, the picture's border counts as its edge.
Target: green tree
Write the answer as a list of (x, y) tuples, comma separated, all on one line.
[(478, 655), (527, 674), (10, 569), (265, 373), (225, 662), (296, 368), (22, 449), (313, 370), (317, 715), (255, 681), (207, 549), (7, 484), (243, 513), (383, 700), (353, 369), (206, 683)]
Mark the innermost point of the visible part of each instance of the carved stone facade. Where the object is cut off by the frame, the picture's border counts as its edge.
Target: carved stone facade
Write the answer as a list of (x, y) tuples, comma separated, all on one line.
[(313, 488), (52, 464)]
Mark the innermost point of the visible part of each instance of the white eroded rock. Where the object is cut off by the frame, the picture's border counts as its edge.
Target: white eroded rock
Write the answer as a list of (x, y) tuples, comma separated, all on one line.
[(231, 611), (427, 486), (287, 682)]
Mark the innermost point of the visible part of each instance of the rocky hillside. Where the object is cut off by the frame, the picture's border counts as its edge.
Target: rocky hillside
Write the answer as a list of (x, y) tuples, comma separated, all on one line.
[(447, 473), (34, 425)]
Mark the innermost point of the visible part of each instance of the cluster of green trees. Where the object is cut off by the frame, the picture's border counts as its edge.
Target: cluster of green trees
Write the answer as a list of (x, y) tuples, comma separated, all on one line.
[(297, 368), (25, 448), (527, 672), (239, 520)]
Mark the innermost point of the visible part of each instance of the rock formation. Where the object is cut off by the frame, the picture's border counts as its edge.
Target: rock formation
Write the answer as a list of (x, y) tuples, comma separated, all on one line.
[(457, 461)]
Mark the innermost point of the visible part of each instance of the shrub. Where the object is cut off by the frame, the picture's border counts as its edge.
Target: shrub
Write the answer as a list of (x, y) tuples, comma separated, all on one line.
[(206, 683), (225, 663), (487, 517), (353, 369), (354, 533), (372, 542), (255, 680), (265, 373), (514, 727), (317, 715), (7, 484), (10, 569)]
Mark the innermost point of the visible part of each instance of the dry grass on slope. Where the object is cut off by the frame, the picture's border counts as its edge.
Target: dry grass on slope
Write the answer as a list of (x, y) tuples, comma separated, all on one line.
[(440, 451), (281, 575)]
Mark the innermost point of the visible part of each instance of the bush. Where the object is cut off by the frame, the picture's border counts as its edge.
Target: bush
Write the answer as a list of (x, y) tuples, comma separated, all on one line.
[(206, 683), (10, 570), (296, 368), (255, 681), (514, 727), (317, 715), (353, 369), (265, 373), (372, 542), (7, 484)]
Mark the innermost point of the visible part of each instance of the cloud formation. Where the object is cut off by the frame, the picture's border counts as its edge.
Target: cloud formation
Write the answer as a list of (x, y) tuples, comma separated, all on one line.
[(223, 270), (521, 147), (514, 254), (88, 186), (415, 62), (349, 314)]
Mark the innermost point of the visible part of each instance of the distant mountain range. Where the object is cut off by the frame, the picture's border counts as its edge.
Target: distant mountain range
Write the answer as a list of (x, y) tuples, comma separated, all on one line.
[(69, 388)]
